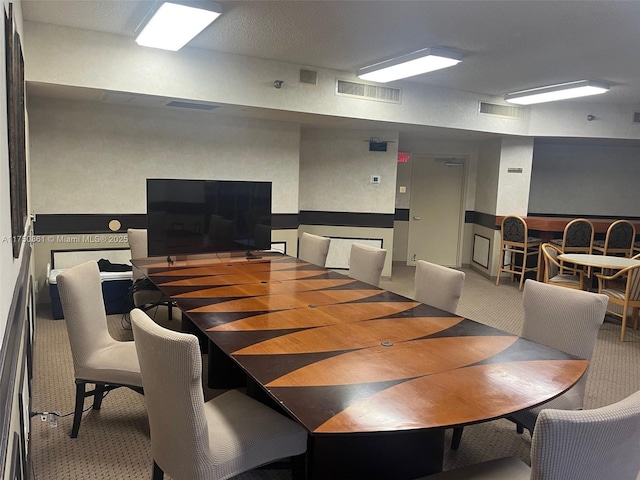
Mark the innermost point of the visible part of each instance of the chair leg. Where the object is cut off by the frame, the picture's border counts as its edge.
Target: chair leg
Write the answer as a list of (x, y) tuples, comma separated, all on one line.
[(519, 428), (98, 396), (500, 261), (524, 269), (457, 436), (625, 309), (77, 414), (157, 474)]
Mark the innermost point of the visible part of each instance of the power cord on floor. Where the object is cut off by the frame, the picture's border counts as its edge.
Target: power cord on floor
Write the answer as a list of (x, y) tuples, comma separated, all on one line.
[(52, 417), (125, 321)]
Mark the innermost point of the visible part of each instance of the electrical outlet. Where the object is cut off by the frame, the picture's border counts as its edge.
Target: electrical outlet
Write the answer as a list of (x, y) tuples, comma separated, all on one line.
[(375, 179), (44, 416)]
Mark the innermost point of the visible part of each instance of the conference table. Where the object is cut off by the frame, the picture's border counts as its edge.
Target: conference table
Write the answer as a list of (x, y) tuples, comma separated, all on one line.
[(376, 378)]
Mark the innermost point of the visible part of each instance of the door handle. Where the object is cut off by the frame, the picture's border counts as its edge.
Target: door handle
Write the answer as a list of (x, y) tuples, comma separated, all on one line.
[(416, 217)]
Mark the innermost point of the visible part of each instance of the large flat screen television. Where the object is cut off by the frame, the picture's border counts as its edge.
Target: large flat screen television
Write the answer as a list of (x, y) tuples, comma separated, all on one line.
[(207, 216)]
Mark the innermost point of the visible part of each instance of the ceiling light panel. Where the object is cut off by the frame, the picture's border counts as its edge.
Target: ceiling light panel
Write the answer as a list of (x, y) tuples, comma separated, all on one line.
[(173, 25), (416, 63), (562, 91)]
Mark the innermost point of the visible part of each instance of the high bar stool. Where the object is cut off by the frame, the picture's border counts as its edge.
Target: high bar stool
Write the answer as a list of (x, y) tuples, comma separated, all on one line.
[(577, 238), (516, 241), (619, 239)]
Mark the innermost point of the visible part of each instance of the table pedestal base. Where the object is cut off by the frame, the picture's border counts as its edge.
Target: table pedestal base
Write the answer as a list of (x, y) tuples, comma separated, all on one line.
[(396, 455)]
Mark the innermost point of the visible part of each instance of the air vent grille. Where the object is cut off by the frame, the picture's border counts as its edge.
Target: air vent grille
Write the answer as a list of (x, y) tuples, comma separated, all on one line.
[(368, 92), (193, 106), (308, 76), (636, 117), (504, 111)]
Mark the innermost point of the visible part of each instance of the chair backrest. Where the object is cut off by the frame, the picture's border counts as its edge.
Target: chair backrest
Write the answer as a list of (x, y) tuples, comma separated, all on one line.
[(366, 263), (514, 229), (138, 245), (171, 369), (550, 255), (438, 286), (564, 319), (82, 302), (314, 249), (588, 444), (578, 233), (620, 235)]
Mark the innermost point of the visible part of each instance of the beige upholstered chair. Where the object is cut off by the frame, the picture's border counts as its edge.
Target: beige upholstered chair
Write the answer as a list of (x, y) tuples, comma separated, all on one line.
[(569, 278), (314, 249), (144, 298), (623, 290), (567, 320), (523, 250), (571, 445), (619, 239), (564, 319), (194, 440), (97, 357), (438, 286), (366, 263)]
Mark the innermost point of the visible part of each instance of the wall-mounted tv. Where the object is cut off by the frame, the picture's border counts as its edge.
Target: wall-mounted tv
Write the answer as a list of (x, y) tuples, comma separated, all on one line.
[(207, 216)]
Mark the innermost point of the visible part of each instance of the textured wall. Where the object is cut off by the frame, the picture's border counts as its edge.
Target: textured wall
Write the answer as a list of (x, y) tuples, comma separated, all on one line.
[(95, 157), (487, 176), (336, 168), (513, 186)]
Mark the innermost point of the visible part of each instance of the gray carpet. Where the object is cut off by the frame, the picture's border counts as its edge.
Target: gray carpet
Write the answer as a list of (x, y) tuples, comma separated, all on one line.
[(114, 442)]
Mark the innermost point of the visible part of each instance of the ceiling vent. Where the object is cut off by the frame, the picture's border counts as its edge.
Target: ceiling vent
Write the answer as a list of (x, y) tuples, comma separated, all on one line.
[(504, 111), (309, 77), (191, 105), (122, 98), (636, 117), (368, 92)]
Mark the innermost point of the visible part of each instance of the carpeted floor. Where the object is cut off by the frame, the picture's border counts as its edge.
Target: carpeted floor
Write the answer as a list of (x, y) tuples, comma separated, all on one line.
[(113, 442)]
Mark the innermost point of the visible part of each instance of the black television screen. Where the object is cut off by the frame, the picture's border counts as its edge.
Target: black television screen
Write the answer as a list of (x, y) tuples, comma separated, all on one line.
[(206, 216)]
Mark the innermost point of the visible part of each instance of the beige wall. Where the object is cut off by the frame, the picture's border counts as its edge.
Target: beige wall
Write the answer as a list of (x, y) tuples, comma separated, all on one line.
[(487, 176), (336, 168), (512, 193), (91, 157)]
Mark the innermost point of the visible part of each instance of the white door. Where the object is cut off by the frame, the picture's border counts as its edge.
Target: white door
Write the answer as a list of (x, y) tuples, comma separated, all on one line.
[(436, 212)]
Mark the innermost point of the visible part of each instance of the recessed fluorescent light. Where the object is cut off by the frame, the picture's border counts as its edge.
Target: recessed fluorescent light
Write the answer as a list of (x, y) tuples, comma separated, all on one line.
[(173, 25), (562, 91), (416, 63)]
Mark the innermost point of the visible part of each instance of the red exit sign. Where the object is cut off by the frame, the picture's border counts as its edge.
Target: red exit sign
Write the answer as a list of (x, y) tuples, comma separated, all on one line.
[(403, 157)]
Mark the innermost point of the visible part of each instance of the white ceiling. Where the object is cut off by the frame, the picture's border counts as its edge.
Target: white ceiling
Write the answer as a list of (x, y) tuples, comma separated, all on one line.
[(507, 45)]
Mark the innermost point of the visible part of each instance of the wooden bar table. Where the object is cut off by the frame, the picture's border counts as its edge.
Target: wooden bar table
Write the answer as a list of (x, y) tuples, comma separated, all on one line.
[(548, 226), (374, 377)]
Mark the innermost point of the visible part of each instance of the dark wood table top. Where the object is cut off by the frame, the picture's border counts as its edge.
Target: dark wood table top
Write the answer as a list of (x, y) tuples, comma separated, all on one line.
[(342, 356)]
